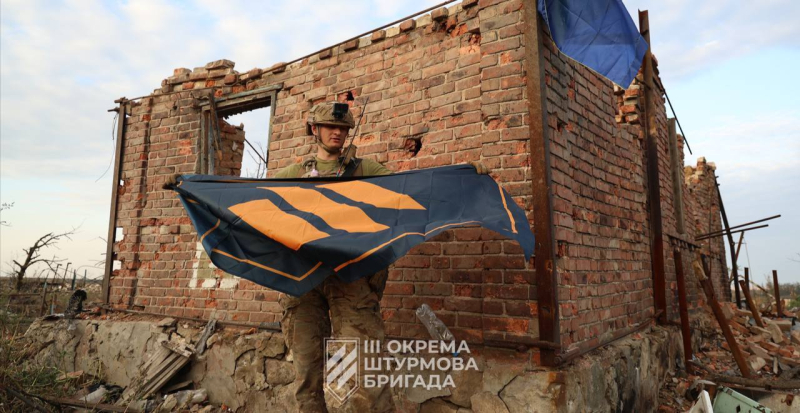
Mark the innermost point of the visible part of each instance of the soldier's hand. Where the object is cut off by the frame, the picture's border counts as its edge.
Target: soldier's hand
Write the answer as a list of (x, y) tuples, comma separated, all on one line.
[(480, 168), (171, 181)]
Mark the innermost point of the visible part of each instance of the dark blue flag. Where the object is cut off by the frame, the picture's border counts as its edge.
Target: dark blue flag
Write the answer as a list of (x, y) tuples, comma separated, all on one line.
[(290, 234), (599, 34)]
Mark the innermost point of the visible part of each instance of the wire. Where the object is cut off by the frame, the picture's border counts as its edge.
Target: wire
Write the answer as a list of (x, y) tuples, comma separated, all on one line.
[(113, 147)]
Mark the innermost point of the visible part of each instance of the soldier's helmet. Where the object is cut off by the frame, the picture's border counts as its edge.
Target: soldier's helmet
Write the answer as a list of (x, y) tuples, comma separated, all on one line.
[(330, 113)]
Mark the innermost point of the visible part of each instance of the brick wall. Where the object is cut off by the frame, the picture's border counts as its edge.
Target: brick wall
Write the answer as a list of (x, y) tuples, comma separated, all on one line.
[(601, 206), (455, 80), (705, 218)]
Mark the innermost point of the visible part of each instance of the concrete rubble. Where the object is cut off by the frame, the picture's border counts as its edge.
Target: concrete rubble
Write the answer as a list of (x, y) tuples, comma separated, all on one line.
[(249, 371)]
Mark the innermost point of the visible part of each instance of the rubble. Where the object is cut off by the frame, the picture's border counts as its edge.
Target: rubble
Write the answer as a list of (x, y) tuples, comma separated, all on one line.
[(772, 352)]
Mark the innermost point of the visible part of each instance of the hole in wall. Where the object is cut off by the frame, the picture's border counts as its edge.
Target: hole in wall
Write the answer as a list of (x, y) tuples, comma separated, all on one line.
[(413, 144)]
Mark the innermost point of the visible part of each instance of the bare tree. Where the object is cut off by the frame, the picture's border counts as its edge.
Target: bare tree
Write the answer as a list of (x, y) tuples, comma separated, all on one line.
[(33, 255), (4, 206), (795, 259)]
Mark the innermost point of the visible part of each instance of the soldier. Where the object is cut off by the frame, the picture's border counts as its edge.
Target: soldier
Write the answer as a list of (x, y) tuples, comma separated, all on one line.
[(346, 310), (355, 307)]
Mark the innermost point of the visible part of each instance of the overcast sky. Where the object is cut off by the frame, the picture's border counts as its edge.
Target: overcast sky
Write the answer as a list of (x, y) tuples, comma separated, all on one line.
[(729, 67)]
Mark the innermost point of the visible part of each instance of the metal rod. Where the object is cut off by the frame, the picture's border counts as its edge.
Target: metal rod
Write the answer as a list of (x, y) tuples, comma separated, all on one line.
[(112, 217), (683, 309), (708, 289), (256, 151), (740, 226), (617, 335), (661, 83), (44, 300), (778, 302), (731, 233), (542, 186), (731, 245), (653, 181)]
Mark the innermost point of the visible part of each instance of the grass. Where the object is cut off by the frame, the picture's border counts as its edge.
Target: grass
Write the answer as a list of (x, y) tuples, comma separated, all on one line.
[(21, 373)]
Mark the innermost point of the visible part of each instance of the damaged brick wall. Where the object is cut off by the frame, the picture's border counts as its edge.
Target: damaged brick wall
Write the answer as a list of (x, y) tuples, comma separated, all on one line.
[(454, 80), (705, 218), (601, 206)]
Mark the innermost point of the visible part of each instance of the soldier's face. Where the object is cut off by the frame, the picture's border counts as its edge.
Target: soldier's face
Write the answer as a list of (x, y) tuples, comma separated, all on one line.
[(332, 136)]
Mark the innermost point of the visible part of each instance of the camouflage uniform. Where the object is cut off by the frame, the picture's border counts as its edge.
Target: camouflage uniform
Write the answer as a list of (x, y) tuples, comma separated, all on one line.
[(347, 310)]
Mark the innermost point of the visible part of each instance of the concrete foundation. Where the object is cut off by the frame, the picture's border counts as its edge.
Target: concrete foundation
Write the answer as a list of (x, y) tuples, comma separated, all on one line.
[(253, 372)]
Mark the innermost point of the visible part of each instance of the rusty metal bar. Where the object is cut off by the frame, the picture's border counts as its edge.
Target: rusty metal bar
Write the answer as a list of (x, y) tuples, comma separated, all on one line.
[(778, 301), (653, 182), (617, 335), (686, 332), (731, 233), (112, 216), (731, 245), (541, 187), (740, 226), (739, 246), (747, 276), (708, 289)]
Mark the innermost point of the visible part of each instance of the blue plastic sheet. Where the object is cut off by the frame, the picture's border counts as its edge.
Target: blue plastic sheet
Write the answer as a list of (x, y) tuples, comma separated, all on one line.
[(599, 34)]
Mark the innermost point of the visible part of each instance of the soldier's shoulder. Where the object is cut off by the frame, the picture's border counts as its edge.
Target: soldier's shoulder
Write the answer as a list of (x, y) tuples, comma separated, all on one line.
[(289, 171), (371, 167)]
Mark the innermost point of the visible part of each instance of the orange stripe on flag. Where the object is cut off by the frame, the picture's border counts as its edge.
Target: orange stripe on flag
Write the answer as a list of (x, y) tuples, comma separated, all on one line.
[(289, 230), (340, 216), (279, 272), (505, 205), (374, 195), (210, 230), (372, 251)]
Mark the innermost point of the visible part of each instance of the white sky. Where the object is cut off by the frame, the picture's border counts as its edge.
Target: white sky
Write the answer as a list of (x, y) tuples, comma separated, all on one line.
[(729, 68)]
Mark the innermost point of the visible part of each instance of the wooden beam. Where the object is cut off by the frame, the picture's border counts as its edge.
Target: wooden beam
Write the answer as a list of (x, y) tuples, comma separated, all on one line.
[(708, 289), (112, 217), (778, 301), (751, 304)]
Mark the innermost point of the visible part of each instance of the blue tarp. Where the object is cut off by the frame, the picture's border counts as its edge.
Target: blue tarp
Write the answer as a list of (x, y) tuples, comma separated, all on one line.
[(599, 34), (291, 234)]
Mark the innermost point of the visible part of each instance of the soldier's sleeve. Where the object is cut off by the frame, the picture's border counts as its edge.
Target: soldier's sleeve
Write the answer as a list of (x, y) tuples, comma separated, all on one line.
[(372, 168), (287, 172)]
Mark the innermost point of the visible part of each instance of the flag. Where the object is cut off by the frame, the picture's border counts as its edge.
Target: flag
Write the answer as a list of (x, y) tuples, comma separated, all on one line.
[(290, 234), (599, 34)]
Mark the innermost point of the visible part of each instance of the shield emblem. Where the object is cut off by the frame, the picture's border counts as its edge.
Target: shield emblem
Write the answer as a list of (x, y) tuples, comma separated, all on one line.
[(341, 367)]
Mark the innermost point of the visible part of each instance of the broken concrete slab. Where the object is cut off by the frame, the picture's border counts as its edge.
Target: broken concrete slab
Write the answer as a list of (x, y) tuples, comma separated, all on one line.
[(487, 402), (532, 393)]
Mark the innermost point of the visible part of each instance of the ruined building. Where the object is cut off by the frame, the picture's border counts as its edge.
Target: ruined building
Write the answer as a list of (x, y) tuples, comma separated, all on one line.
[(607, 197)]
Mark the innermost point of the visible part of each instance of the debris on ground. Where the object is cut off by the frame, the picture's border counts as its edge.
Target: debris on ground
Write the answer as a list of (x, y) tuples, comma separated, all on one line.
[(772, 351)]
